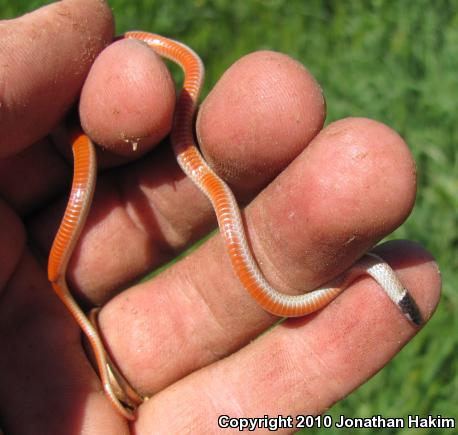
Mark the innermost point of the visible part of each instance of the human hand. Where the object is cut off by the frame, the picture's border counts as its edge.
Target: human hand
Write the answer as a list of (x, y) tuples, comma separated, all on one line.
[(322, 207)]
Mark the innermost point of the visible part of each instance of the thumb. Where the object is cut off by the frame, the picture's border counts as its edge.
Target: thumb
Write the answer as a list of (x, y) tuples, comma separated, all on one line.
[(44, 58)]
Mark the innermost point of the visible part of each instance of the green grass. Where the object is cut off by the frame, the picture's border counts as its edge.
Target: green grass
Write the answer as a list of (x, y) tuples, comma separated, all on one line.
[(396, 62)]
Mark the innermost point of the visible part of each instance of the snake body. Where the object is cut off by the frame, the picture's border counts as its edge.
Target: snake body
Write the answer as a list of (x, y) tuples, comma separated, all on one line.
[(188, 156)]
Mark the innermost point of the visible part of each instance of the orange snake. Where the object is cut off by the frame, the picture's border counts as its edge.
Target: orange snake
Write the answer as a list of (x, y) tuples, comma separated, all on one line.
[(121, 395)]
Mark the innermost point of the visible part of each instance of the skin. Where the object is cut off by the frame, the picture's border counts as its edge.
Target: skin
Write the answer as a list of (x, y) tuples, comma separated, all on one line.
[(185, 337)]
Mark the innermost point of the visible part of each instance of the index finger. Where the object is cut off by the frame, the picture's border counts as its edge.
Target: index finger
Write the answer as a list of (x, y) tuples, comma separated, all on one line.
[(303, 366)]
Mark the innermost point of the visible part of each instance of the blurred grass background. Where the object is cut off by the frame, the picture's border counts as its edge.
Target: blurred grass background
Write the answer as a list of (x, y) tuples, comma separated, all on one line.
[(394, 61)]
